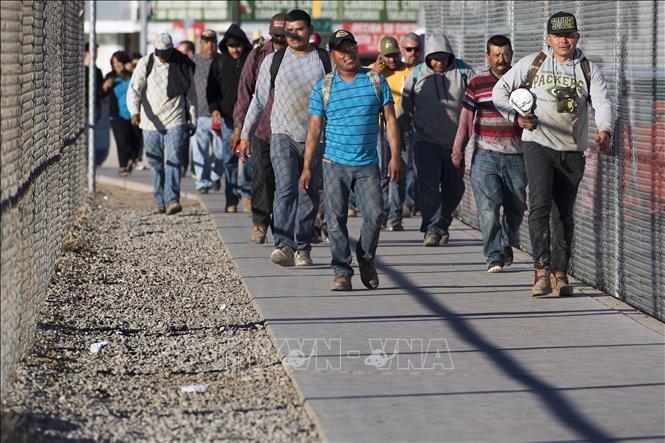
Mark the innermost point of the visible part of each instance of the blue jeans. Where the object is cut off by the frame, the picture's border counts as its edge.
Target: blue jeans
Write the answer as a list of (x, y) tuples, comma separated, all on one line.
[(394, 193), (165, 180), (208, 166), (498, 180), (337, 182), (294, 211), (229, 164), (440, 186)]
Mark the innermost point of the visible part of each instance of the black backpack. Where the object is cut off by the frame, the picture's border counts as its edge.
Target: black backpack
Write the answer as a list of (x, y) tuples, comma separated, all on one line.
[(179, 75), (279, 56)]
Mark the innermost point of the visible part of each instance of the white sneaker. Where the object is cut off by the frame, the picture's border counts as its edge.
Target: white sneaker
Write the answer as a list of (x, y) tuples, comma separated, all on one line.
[(303, 258), (139, 165), (494, 269)]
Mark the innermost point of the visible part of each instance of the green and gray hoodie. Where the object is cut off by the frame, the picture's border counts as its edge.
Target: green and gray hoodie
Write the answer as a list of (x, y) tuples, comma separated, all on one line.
[(434, 101), (558, 131)]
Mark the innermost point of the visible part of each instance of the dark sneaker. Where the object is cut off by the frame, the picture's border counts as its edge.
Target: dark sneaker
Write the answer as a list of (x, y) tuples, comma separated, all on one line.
[(444, 238), (397, 226), (232, 209), (217, 185), (431, 239), (173, 208), (159, 209), (541, 285), (284, 256), (507, 256), (341, 283), (494, 267), (368, 274), (203, 190), (560, 285)]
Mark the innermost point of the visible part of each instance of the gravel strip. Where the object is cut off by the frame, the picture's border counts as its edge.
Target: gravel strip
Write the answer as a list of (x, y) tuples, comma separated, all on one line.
[(163, 294)]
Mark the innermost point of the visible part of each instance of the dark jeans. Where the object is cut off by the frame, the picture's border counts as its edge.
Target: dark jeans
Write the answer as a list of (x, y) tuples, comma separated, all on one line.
[(440, 186), (411, 198), (127, 140), (263, 183), (554, 178), (337, 182), (498, 180)]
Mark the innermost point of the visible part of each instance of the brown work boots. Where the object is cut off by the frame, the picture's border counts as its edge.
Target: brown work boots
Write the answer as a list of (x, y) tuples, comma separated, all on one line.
[(555, 282), (560, 285)]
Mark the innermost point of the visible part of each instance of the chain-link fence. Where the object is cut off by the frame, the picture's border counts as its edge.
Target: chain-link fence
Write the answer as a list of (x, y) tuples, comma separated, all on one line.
[(42, 155), (619, 240)]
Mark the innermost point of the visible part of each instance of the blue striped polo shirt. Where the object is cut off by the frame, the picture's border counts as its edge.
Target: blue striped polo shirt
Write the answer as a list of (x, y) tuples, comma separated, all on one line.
[(352, 118)]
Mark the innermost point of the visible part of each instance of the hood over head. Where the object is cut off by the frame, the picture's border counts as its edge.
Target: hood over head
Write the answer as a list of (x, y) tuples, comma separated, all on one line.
[(437, 43), (234, 32)]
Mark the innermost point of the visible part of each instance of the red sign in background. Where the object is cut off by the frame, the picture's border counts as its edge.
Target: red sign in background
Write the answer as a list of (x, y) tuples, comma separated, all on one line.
[(368, 34)]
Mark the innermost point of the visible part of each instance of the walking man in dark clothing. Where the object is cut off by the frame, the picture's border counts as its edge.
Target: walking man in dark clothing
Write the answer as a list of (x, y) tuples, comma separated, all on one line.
[(263, 176), (222, 92)]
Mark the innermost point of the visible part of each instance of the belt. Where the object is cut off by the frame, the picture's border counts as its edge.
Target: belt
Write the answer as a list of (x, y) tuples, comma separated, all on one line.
[(496, 152)]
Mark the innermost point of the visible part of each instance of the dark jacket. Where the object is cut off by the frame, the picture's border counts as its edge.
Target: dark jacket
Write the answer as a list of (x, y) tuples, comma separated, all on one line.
[(246, 89), (222, 89), (100, 92)]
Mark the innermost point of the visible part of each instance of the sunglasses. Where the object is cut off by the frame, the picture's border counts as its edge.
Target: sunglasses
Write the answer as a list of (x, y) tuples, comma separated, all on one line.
[(412, 49)]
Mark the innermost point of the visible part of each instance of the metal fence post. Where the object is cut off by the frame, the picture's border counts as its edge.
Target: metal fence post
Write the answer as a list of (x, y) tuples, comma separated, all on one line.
[(92, 96)]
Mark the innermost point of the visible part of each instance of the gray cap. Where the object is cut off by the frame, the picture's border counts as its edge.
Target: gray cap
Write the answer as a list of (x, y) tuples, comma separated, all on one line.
[(163, 41)]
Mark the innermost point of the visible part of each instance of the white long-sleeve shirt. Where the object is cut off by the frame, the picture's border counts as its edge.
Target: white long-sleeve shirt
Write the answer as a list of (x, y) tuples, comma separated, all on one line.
[(559, 131), (158, 112)]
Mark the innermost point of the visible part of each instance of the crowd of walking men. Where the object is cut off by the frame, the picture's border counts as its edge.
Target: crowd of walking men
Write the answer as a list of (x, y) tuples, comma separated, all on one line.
[(314, 124)]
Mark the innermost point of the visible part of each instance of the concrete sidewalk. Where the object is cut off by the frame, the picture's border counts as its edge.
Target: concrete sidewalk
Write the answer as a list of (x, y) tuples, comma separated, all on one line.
[(443, 351)]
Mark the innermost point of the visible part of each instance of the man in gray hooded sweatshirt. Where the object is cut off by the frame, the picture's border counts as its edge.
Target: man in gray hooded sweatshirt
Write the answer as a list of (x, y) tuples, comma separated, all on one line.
[(432, 99), (564, 83)]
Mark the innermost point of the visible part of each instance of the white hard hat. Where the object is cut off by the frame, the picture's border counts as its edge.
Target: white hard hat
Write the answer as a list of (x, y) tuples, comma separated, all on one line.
[(522, 100)]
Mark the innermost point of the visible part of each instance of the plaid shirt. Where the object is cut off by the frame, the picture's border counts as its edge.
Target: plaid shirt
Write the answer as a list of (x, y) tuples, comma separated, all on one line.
[(246, 88)]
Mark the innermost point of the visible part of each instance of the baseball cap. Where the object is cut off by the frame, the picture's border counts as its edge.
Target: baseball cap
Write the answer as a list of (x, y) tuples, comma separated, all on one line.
[(163, 41), (388, 45), (209, 35), (561, 23), (339, 37), (277, 24)]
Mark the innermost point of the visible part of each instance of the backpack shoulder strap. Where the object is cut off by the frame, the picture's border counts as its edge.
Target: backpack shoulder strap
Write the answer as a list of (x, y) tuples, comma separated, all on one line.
[(274, 66), (461, 67), (255, 65), (148, 68), (376, 84), (326, 85), (535, 66), (586, 69), (325, 59), (416, 73)]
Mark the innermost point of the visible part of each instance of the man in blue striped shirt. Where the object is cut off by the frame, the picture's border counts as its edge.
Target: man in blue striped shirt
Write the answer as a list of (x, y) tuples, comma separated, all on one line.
[(350, 100)]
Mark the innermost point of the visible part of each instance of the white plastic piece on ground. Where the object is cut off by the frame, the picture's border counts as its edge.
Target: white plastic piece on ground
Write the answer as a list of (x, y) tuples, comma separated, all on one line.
[(96, 347), (522, 100), (222, 307), (193, 388)]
